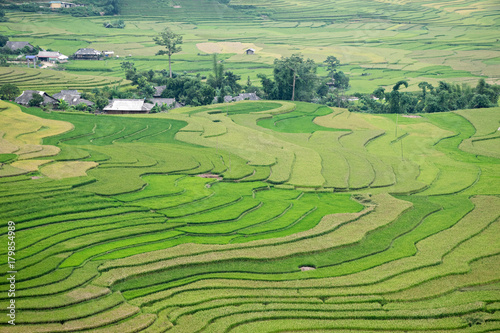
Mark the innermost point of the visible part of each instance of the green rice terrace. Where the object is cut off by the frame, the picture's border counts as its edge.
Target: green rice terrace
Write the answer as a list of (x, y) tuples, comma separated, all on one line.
[(251, 217), (378, 42)]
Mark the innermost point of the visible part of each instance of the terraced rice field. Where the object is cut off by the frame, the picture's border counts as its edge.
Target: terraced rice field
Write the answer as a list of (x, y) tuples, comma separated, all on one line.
[(251, 216), (378, 42), (52, 81)]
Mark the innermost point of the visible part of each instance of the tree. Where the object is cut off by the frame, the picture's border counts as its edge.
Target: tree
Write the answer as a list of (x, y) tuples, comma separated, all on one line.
[(100, 102), (216, 81), (145, 87), (196, 93), (118, 24), (63, 105), (492, 92), (4, 60), (331, 64), (379, 93), (480, 101), (188, 91), (171, 42), (3, 40), (268, 86), (394, 97), (295, 77), (36, 100), (231, 82), (424, 85), (81, 107), (341, 81), (9, 91)]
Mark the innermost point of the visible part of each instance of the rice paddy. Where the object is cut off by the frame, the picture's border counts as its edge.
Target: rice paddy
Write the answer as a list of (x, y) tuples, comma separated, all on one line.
[(377, 42), (278, 217), (256, 216)]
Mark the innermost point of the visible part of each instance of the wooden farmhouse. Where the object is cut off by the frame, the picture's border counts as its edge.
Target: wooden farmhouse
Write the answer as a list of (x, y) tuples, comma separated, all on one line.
[(87, 54), (128, 106), (250, 51)]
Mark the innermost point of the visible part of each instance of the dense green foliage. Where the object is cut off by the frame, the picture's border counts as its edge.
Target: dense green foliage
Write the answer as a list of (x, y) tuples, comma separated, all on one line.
[(117, 24), (9, 92), (294, 77), (445, 97)]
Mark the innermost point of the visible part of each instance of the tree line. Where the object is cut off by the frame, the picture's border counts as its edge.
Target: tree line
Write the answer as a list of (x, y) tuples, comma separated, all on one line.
[(295, 78), (444, 97)]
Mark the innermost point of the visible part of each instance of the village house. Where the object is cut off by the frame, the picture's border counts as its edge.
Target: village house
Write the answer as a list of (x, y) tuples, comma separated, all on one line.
[(15, 46), (87, 54), (158, 91), (27, 96), (240, 97), (250, 51), (108, 53), (128, 106), (60, 4), (170, 102), (51, 56), (72, 97)]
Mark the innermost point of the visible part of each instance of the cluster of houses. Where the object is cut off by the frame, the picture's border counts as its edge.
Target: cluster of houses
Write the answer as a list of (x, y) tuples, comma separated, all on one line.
[(85, 53), (116, 106), (60, 4), (51, 56), (81, 54), (72, 97)]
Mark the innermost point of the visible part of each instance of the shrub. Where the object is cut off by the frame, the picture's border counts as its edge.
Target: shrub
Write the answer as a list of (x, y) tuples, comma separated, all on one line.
[(37, 100)]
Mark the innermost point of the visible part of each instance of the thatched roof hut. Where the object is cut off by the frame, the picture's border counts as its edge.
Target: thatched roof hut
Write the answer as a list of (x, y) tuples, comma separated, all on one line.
[(27, 96), (72, 97), (14, 46)]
